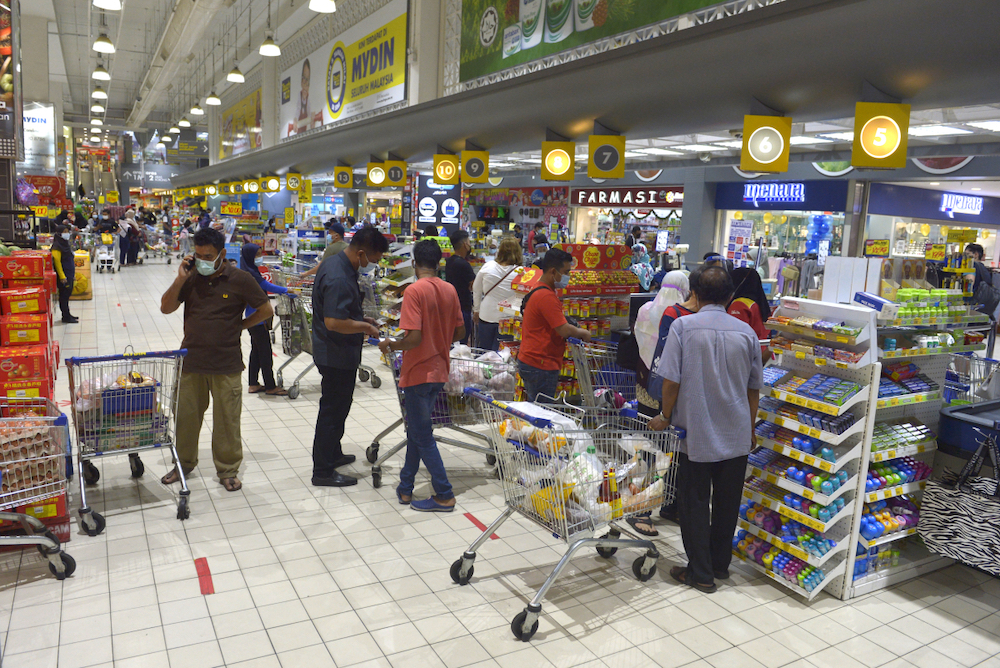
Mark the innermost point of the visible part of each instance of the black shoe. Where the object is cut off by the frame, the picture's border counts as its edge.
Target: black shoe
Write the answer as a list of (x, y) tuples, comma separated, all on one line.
[(335, 480), (669, 513), (721, 575), (344, 460), (71, 320)]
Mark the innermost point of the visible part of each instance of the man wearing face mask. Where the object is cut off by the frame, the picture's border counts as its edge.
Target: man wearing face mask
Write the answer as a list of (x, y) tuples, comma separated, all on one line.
[(334, 244), (459, 273), (339, 329), (544, 329), (215, 295)]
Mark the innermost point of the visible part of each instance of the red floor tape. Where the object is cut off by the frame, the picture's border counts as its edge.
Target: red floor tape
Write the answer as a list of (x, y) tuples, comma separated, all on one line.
[(204, 576), (480, 525)]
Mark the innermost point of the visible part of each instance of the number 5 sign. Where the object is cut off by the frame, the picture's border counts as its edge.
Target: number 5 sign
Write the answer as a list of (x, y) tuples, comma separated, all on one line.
[(880, 133), (765, 144), (607, 157)]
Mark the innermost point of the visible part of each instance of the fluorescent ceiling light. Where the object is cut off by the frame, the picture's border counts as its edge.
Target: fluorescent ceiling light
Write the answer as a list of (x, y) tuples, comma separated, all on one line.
[(269, 49), (166, 137), (500, 163), (184, 122), (197, 110), (700, 147), (213, 100), (977, 189), (174, 129), (101, 74), (97, 108), (534, 161), (934, 183), (840, 136), (323, 6), (992, 126), (937, 131), (634, 154), (730, 144), (659, 151), (160, 144), (103, 45), (111, 5), (96, 121), (803, 140), (99, 94), (235, 76)]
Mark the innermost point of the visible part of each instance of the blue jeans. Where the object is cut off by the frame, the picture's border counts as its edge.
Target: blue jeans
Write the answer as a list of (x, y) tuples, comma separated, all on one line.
[(420, 443), (487, 335), (538, 381)]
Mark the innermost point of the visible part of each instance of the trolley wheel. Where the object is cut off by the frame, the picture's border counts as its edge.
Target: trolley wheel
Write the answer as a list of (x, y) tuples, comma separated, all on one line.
[(91, 474), (517, 626), (637, 570), (376, 382), (371, 454), (608, 552), (363, 375), (140, 260), (456, 572), (134, 463), (281, 381), (376, 477), (293, 391), (168, 259), (42, 550), (491, 460), (93, 523), (183, 512), (69, 564)]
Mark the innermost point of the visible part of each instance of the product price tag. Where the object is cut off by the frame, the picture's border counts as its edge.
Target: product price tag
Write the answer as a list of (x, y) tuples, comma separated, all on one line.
[(809, 494), (771, 479), (842, 365), (765, 502), (799, 355), (920, 398), (894, 401), (820, 361), (843, 339), (747, 494), (826, 466), (890, 455), (809, 459)]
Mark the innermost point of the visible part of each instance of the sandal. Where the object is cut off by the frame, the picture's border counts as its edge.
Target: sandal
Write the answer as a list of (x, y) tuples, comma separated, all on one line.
[(276, 392), (231, 484), (255, 389), (680, 573), (174, 476), (639, 524)]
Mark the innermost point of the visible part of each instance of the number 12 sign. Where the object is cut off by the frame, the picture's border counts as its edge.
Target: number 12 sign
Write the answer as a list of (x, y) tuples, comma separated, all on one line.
[(880, 134)]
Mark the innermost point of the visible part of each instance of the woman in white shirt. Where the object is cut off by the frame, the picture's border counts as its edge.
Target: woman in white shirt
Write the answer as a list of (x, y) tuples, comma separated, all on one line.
[(492, 286)]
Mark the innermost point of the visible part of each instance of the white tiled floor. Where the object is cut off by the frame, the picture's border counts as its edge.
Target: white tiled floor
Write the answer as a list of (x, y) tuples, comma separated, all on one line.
[(308, 577)]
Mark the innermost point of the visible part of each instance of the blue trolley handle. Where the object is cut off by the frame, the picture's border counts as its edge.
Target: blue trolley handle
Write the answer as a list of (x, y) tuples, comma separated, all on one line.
[(541, 423), (76, 361)]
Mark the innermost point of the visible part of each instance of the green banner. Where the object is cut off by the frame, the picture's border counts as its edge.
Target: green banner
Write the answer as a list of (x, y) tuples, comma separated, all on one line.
[(497, 34)]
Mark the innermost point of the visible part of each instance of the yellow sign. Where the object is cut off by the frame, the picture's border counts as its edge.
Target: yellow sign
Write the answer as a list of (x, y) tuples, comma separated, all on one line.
[(446, 169), (289, 217), (232, 208), (591, 257), (557, 160), (343, 177), (307, 189), (293, 181), (112, 196), (606, 157), (475, 166), (270, 184), (877, 248), (241, 127), (479, 223), (936, 253), (765, 143), (962, 236), (880, 135), (388, 173), (41, 211)]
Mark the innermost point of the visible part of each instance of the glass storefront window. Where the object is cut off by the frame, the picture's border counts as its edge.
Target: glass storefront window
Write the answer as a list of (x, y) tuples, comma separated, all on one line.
[(793, 232), (908, 237)]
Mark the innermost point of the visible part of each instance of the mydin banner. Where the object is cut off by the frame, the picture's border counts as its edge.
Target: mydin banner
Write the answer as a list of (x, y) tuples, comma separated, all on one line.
[(241, 127), (363, 69), (497, 34)]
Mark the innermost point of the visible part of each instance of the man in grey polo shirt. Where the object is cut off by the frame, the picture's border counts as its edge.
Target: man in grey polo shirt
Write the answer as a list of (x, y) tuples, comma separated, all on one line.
[(711, 365)]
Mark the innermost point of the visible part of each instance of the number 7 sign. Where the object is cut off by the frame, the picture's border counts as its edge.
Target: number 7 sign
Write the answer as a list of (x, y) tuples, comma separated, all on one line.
[(606, 157)]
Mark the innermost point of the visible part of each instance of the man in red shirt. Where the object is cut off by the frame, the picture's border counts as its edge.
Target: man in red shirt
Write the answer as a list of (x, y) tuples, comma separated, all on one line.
[(531, 236), (544, 329), (432, 318)]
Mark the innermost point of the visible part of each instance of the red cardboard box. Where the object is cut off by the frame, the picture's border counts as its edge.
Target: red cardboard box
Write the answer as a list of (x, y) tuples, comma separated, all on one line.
[(24, 300), (31, 388), (60, 526), (51, 282), (24, 362), (23, 265), (46, 509), (24, 329)]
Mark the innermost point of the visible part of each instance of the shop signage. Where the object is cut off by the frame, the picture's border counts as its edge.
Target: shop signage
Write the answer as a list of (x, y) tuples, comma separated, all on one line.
[(606, 157), (557, 160), (39, 138), (307, 189), (783, 193), (343, 177), (241, 127), (293, 181), (289, 217), (232, 208), (475, 166), (537, 197), (765, 143), (188, 149), (153, 176), (880, 135), (388, 173), (601, 258), (362, 69), (877, 248), (629, 197), (112, 196), (437, 203), (962, 236), (446, 169), (967, 204), (935, 252)]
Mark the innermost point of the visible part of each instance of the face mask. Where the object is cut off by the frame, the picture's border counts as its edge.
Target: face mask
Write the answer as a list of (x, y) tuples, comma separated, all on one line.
[(329, 239), (258, 261), (563, 282), (206, 267), (367, 267), (65, 235)]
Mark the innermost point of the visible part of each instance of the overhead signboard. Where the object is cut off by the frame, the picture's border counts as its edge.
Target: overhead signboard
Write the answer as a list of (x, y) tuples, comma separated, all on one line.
[(386, 174), (39, 138), (766, 140), (343, 177), (232, 208), (557, 160), (241, 127), (438, 205), (475, 166), (188, 149), (880, 135), (446, 169), (663, 198), (293, 181), (362, 69), (153, 176), (606, 157)]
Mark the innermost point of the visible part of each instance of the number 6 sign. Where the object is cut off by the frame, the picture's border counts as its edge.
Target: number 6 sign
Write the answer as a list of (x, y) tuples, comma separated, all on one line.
[(765, 144)]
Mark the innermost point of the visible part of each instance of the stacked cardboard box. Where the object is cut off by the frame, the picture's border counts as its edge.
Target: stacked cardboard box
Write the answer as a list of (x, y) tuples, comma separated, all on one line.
[(27, 352)]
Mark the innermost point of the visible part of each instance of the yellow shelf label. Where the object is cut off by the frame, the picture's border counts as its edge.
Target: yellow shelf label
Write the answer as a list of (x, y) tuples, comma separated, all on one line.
[(799, 355), (843, 339), (820, 361), (809, 459), (809, 494)]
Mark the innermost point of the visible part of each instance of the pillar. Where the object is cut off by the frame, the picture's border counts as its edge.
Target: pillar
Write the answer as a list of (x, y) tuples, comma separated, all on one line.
[(424, 50), (269, 102), (699, 220)]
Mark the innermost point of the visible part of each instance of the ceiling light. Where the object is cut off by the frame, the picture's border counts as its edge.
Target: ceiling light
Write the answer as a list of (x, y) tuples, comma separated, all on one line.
[(804, 140), (533, 161), (937, 131), (235, 76), (323, 6), (95, 140), (197, 110), (700, 147), (103, 45), (96, 121), (111, 5), (840, 136), (730, 144), (269, 49), (97, 108), (184, 122), (174, 129), (213, 100), (977, 189), (160, 144), (101, 74), (992, 126), (99, 94), (658, 151), (166, 137), (628, 154)]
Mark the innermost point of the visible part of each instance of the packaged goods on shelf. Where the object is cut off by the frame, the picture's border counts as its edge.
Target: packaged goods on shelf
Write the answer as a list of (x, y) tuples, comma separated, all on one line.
[(889, 517), (795, 440), (23, 265), (795, 502), (24, 328), (785, 345), (821, 387), (772, 374), (918, 384), (778, 562), (808, 416), (899, 471), (816, 324), (898, 435), (819, 481), (786, 530), (24, 300)]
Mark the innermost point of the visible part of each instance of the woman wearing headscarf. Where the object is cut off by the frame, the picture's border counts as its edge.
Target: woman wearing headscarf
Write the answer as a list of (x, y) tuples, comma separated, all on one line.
[(261, 357), (641, 266), (62, 259), (749, 302)]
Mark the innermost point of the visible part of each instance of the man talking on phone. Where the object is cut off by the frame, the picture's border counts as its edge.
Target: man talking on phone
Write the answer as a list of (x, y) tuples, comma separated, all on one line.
[(215, 294)]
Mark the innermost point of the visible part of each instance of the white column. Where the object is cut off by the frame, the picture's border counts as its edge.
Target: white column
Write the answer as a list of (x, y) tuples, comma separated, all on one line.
[(269, 102), (424, 50)]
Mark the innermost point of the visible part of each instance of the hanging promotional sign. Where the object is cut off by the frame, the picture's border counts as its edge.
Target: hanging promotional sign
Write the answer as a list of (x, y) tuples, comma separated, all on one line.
[(446, 169), (437, 204), (241, 130), (343, 177), (606, 159), (557, 160), (363, 69), (880, 135), (766, 140), (475, 166), (39, 139)]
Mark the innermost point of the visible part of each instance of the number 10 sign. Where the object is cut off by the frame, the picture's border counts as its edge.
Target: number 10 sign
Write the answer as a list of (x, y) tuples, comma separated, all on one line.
[(765, 143)]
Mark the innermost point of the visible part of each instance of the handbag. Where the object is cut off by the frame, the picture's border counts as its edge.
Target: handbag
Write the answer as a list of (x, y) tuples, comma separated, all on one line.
[(960, 515), (987, 298)]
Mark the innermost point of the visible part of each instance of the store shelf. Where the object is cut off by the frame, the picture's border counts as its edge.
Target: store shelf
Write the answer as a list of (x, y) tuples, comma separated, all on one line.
[(958, 270), (802, 490), (891, 537), (812, 460), (912, 563), (924, 352), (391, 301), (400, 283), (827, 437), (942, 322), (896, 490), (823, 361), (821, 336), (791, 513), (808, 595), (821, 406), (793, 549), (907, 399), (906, 451)]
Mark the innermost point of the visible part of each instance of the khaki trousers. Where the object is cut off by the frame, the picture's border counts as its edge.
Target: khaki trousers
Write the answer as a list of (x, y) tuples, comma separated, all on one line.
[(227, 404)]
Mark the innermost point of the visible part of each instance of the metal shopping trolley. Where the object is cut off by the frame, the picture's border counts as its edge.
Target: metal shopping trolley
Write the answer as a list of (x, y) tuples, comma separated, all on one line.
[(371, 305), (124, 404), (295, 320), (970, 379), (34, 444), (108, 253), (484, 370), (575, 472), (597, 370)]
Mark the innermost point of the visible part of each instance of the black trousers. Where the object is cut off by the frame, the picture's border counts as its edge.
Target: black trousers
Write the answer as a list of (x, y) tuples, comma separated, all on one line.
[(334, 406), (64, 293), (261, 357), (708, 534)]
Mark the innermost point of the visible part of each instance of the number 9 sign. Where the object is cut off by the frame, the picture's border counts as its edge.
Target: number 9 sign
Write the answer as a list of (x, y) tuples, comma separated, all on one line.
[(880, 131)]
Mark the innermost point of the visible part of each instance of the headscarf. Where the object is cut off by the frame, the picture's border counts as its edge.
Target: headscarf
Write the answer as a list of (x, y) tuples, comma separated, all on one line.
[(641, 266), (673, 290), (60, 244), (247, 255), (749, 286)]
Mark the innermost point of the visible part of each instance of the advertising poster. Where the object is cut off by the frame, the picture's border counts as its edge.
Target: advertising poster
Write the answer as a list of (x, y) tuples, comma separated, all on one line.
[(438, 205), (363, 69), (11, 139), (740, 238), (39, 139), (241, 127), (539, 205), (500, 34)]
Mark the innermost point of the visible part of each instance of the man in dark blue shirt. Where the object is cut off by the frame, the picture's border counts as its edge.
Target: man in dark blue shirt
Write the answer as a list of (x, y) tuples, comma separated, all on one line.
[(339, 329), (460, 274)]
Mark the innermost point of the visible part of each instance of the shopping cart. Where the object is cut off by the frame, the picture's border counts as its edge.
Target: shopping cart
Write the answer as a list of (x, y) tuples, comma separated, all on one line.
[(576, 472), (599, 374), (157, 245), (295, 320), (108, 253), (123, 404), (371, 305), (484, 370), (34, 444), (970, 379)]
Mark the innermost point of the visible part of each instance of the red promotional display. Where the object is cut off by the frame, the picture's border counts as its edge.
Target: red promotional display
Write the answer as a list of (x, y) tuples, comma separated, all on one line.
[(51, 190), (600, 258), (32, 388), (24, 300), (23, 265), (20, 362), (24, 329)]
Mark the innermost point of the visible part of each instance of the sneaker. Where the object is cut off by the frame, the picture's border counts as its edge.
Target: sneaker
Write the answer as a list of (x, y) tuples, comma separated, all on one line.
[(431, 506)]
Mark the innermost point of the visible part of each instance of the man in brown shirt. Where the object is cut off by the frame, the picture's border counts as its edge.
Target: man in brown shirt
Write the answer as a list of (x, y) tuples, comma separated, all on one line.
[(214, 294)]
